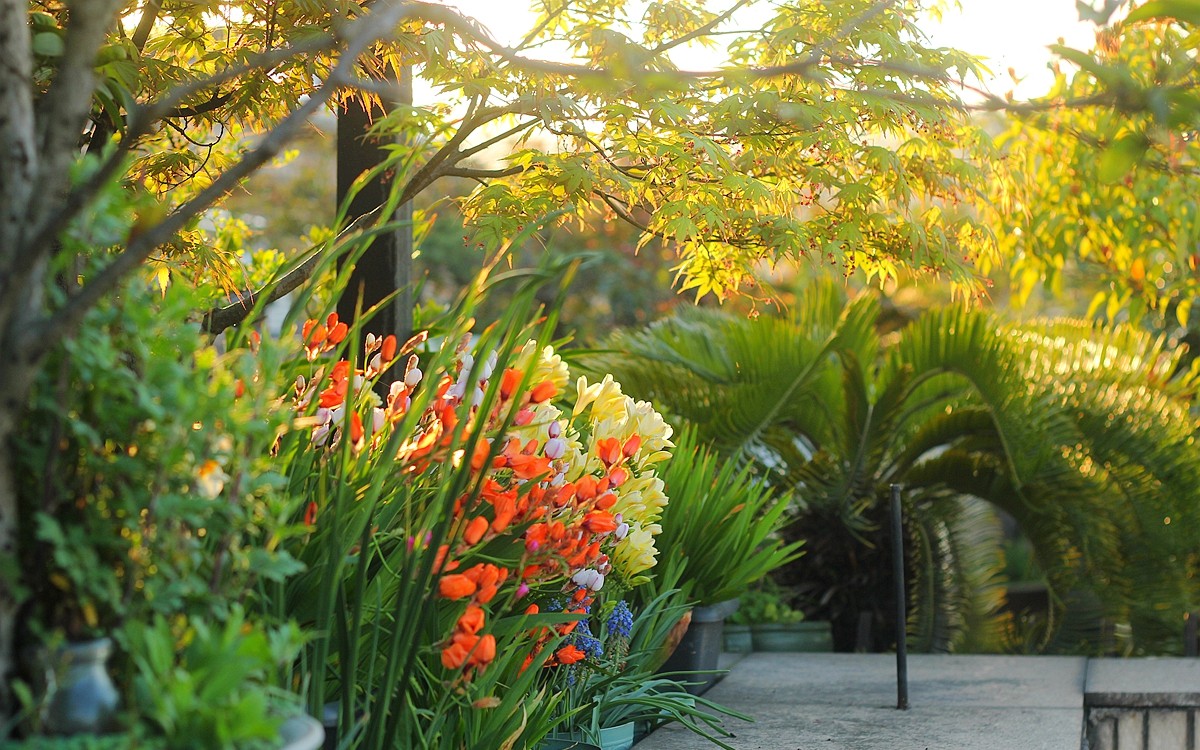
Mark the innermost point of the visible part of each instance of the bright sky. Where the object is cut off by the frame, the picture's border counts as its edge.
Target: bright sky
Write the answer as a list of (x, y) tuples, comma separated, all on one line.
[(1014, 33), (1009, 33)]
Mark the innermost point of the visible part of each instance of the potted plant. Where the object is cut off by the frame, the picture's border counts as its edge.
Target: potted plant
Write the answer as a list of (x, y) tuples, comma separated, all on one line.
[(719, 533), (775, 626), (613, 695)]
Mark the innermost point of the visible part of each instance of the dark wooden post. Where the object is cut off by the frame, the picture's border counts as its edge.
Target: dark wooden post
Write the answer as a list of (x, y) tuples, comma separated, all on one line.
[(386, 266)]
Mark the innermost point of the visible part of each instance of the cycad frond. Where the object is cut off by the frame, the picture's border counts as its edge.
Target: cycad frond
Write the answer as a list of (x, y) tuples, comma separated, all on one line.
[(1081, 434)]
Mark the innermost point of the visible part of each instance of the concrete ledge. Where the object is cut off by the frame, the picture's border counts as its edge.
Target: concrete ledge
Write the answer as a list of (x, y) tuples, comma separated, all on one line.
[(834, 701), (1143, 683)]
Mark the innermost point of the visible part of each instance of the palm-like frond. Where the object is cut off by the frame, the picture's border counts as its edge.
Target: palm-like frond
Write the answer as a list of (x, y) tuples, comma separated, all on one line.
[(1081, 434), (698, 363)]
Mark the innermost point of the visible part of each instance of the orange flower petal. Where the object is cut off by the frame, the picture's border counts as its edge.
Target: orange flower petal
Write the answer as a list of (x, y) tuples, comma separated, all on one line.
[(477, 527), (543, 391), (455, 586), (472, 620)]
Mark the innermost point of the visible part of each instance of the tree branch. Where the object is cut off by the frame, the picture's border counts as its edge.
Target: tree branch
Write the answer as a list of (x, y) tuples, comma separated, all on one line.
[(63, 111), (18, 148), (220, 318), (699, 31), (141, 120), (216, 101), (360, 34), (469, 152), (479, 174), (141, 34)]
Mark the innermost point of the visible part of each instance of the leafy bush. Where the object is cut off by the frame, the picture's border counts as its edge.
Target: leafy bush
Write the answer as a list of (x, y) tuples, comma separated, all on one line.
[(764, 604), (146, 487), (151, 512), (205, 686), (720, 525)]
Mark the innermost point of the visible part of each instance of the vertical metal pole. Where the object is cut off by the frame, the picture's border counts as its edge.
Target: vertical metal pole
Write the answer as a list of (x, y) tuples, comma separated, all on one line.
[(1189, 633), (901, 607)]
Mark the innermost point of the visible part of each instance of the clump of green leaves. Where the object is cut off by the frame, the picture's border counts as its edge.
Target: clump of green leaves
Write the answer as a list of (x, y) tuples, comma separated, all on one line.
[(720, 523), (147, 496), (1094, 194), (145, 486), (765, 603), (88, 742), (208, 685)]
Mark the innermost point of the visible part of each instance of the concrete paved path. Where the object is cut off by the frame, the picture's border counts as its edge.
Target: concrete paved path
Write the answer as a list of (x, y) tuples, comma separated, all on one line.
[(847, 701)]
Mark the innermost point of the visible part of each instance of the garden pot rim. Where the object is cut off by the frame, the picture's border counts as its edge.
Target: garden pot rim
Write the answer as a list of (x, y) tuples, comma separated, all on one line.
[(715, 612), (803, 625), (301, 732)]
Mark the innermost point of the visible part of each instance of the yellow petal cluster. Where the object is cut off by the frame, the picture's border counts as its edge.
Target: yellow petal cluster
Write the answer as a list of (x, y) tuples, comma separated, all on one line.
[(637, 553), (609, 413)]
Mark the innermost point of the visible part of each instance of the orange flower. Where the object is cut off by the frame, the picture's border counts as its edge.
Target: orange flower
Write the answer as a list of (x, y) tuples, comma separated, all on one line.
[(334, 394), (529, 467), (609, 450), (506, 508), (618, 476), (543, 391), (599, 522), (454, 655), (472, 620), (485, 651), (569, 654), (509, 382), (310, 514), (388, 353), (631, 446), (456, 586), (356, 428), (323, 337), (440, 558), (480, 456), (488, 577), (606, 501), (475, 530), (585, 487)]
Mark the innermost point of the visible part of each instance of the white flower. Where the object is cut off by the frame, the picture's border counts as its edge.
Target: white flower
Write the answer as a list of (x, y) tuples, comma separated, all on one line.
[(210, 479), (589, 578), (555, 448)]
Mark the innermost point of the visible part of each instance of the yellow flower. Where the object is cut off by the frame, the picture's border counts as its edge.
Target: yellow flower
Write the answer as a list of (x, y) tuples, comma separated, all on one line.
[(636, 552), (641, 500), (604, 399), (547, 365)]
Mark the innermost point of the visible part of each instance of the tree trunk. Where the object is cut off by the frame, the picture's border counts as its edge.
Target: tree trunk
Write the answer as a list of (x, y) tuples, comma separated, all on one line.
[(18, 170), (18, 379)]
